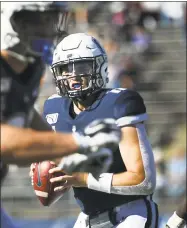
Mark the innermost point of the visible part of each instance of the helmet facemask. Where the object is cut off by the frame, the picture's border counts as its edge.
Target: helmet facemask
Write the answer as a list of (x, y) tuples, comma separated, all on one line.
[(77, 78)]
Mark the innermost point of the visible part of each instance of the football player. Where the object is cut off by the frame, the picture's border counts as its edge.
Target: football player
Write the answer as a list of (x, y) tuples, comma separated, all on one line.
[(122, 195), (179, 217), (28, 31)]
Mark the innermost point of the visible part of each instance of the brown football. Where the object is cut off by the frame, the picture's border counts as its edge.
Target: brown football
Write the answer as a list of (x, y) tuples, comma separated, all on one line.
[(43, 188)]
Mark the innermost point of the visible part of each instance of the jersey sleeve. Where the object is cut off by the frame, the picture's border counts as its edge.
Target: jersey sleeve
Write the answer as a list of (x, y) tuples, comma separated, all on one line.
[(129, 108)]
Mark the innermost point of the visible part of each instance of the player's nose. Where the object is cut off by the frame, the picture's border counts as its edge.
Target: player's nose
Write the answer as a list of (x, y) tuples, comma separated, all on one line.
[(76, 79)]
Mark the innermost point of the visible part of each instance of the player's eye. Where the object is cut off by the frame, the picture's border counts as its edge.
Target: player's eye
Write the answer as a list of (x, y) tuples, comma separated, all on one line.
[(83, 67)]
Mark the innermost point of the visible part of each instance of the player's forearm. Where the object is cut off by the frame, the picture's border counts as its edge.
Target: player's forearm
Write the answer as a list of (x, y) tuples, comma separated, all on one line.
[(129, 183), (23, 146), (47, 146), (80, 179), (127, 179), (122, 184)]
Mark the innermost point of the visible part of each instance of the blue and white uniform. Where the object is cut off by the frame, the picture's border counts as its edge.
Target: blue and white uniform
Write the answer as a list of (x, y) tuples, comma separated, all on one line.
[(123, 210)]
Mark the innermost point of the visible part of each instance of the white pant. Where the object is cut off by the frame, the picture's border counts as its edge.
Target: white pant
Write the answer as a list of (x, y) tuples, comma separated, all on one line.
[(130, 215)]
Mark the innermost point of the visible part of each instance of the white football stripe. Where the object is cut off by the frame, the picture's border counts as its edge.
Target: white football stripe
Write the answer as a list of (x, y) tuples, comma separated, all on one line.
[(123, 121), (41, 194)]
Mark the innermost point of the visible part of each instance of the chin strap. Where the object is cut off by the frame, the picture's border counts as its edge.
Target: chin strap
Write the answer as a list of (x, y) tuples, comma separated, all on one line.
[(78, 101), (86, 100)]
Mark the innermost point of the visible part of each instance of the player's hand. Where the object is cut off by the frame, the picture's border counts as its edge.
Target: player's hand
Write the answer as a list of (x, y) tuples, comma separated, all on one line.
[(98, 141), (31, 172), (95, 163), (99, 134), (73, 163), (32, 168), (67, 181), (175, 222), (103, 133)]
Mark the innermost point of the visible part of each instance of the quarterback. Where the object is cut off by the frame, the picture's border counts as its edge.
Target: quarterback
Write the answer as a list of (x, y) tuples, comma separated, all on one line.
[(121, 196)]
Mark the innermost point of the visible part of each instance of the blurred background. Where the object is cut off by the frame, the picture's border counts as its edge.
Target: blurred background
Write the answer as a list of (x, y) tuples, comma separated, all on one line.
[(146, 45)]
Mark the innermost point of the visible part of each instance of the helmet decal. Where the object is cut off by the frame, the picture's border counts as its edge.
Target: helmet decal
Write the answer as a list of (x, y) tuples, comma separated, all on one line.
[(99, 46)]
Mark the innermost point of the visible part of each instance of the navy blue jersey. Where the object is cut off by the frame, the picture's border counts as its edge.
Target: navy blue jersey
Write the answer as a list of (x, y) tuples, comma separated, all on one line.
[(18, 95), (127, 107)]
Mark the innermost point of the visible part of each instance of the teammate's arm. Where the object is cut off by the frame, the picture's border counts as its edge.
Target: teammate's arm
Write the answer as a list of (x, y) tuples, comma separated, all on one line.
[(24, 146)]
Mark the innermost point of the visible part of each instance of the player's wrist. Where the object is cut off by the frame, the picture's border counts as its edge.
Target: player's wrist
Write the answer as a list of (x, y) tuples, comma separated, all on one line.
[(80, 179), (103, 183), (175, 221)]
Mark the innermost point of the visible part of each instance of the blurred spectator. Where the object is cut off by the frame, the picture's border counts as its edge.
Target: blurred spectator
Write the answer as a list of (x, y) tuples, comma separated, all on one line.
[(176, 172), (129, 74), (117, 9), (161, 172), (134, 11), (125, 79), (150, 14), (140, 39), (96, 12), (124, 16), (111, 47), (119, 21), (81, 17), (171, 13), (113, 70)]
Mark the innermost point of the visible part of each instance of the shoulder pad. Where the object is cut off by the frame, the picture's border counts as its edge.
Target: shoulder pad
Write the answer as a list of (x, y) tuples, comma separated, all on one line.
[(54, 96), (129, 108), (118, 90), (51, 103)]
